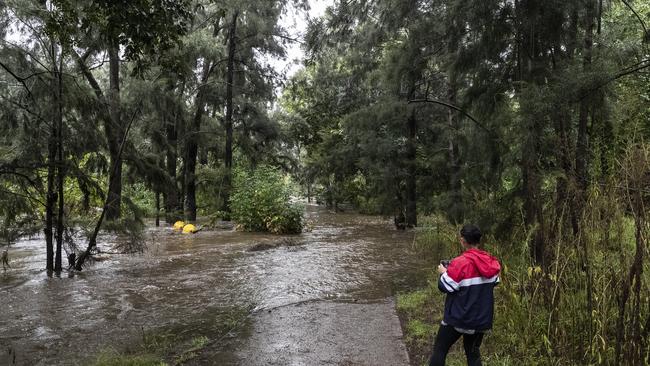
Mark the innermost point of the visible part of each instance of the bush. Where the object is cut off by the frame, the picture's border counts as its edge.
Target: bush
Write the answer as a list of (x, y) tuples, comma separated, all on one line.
[(261, 202)]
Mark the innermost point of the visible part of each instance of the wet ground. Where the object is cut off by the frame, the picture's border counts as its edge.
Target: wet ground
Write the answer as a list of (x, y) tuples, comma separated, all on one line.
[(322, 297), (317, 333)]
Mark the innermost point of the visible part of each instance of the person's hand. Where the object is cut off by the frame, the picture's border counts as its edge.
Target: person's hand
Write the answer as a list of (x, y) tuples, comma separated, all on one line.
[(441, 269)]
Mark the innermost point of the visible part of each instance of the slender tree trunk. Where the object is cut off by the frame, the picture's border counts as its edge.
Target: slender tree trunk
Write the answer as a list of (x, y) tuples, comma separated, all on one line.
[(157, 208), (561, 120), (532, 206), (192, 147), (582, 148), (52, 144), (528, 60), (456, 209), (51, 197), (114, 132), (171, 193), (230, 77), (411, 171), (308, 192), (192, 136), (60, 165), (582, 179)]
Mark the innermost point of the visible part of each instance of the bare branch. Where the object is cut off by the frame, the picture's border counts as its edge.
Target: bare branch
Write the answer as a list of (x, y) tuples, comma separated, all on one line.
[(19, 79), (452, 107), (645, 29), (643, 64)]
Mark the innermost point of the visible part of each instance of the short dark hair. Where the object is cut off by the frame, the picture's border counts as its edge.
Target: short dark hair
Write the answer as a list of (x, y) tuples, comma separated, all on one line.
[(471, 234)]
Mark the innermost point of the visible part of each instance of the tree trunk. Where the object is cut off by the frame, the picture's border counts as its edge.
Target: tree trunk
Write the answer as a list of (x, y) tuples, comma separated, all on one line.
[(411, 172), (192, 136), (52, 144), (51, 198), (308, 192), (532, 205), (230, 77), (171, 193), (456, 210), (528, 61), (157, 208), (60, 165), (113, 130), (192, 147), (582, 148), (582, 179)]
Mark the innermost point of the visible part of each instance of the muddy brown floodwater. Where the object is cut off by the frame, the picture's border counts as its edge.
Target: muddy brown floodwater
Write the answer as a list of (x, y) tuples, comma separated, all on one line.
[(326, 299)]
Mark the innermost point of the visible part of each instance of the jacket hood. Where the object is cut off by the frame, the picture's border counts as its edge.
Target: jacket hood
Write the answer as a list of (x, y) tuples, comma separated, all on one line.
[(487, 265)]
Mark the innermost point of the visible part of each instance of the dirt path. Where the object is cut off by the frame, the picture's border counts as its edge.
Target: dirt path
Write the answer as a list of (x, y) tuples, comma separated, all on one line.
[(317, 333)]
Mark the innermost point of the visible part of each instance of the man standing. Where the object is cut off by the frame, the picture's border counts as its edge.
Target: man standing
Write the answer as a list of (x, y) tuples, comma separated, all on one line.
[(468, 281)]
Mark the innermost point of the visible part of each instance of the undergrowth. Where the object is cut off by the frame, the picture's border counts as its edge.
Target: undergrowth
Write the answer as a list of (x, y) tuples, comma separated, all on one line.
[(563, 312)]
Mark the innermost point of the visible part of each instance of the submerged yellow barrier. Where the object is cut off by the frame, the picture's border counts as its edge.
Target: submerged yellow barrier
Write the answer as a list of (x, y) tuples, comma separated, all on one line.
[(189, 229)]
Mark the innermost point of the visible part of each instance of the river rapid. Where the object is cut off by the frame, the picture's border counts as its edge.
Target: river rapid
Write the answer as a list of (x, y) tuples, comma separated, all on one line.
[(181, 281)]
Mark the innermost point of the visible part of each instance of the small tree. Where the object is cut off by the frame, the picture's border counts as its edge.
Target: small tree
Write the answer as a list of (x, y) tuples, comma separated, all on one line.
[(261, 202)]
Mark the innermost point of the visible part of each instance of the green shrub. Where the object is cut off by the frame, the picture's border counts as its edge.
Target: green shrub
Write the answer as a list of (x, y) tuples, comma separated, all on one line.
[(261, 202)]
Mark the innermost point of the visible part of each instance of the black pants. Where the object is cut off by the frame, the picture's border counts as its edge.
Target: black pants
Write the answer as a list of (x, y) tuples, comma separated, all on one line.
[(447, 336)]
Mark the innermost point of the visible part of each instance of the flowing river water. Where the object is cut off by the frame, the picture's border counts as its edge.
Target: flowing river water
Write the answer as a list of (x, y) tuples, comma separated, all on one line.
[(338, 277)]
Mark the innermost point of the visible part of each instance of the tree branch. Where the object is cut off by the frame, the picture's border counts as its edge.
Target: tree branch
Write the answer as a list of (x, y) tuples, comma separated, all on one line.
[(18, 78), (89, 76), (21, 175), (643, 64), (30, 198), (445, 104), (26, 109), (645, 29), (30, 54)]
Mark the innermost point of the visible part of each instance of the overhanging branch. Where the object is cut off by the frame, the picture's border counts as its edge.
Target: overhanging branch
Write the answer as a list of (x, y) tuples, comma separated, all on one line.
[(451, 106), (643, 64), (645, 29)]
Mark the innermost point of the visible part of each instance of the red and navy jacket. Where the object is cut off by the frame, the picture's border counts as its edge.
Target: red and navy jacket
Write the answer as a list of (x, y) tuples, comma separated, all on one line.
[(469, 283)]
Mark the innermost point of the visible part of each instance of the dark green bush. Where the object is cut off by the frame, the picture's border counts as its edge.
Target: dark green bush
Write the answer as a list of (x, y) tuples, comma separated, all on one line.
[(261, 201)]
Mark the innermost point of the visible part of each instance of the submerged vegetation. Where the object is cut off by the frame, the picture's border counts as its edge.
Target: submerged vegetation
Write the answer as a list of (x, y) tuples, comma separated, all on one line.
[(176, 345), (261, 201)]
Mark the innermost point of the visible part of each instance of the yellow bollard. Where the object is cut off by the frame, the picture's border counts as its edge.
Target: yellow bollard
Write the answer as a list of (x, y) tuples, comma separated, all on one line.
[(189, 229)]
